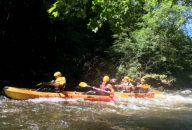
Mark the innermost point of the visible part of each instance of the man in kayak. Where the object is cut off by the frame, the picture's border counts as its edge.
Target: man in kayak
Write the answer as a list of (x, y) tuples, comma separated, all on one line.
[(142, 86), (126, 85), (106, 86), (59, 82)]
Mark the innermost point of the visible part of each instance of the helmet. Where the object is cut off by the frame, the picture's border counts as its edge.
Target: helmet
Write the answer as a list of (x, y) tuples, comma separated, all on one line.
[(105, 78), (142, 80), (127, 78), (57, 74)]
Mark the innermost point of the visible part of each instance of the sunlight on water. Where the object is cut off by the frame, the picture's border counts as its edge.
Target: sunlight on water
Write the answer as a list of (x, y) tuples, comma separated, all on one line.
[(171, 108), (40, 100)]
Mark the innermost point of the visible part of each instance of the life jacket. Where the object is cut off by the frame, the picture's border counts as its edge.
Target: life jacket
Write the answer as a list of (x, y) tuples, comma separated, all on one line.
[(144, 88), (60, 80), (127, 84), (126, 87), (107, 87), (59, 83)]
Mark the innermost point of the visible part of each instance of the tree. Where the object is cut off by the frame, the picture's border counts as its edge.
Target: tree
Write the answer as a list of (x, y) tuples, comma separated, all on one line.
[(148, 34), (160, 46)]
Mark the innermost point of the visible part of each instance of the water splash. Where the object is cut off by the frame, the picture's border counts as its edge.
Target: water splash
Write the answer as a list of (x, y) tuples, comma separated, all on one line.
[(175, 100), (40, 100), (170, 108), (169, 100)]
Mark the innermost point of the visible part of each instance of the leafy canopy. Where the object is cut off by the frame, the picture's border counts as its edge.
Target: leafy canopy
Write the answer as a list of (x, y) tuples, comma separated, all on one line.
[(148, 33)]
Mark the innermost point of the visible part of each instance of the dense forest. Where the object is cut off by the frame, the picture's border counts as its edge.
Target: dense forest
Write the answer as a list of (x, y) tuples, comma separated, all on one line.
[(87, 39)]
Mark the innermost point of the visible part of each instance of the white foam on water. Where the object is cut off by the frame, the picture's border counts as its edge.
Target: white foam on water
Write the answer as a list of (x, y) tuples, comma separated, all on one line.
[(169, 100), (186, 91), (40, 100), (175, 100)]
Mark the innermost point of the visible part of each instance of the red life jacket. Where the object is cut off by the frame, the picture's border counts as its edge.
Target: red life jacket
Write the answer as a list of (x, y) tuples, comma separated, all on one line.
[(106, 86)]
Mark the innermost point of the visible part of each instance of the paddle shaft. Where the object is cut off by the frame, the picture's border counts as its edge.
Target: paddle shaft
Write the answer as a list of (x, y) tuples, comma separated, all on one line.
[(83, 84), (98, 89)]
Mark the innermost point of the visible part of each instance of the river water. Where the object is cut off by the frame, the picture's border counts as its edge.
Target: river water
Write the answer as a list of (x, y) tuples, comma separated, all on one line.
[(171, 110)]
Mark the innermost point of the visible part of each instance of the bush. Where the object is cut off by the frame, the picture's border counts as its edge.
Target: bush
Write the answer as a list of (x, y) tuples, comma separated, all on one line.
[(159, 80)]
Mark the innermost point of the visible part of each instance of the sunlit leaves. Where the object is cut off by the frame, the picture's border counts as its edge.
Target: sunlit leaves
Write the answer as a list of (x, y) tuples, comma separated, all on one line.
[(166, 15), (118, 13), (148, 36), (69, 8), (159, 45), (53, 10)]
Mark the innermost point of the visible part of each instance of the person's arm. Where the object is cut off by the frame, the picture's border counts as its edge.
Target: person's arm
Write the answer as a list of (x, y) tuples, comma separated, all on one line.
[(110, 88), (130, 84)]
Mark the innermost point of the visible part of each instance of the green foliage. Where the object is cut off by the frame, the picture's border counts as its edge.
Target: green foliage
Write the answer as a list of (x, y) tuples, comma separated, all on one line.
[(148, 35), (53, 10), (160, 46), (159, 80), (132, 70), (149, 52), (119, 14), (166, 15), (69, 8)]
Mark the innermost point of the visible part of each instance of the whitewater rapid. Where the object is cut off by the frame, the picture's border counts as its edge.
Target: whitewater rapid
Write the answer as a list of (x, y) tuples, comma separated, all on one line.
[(170, 110)]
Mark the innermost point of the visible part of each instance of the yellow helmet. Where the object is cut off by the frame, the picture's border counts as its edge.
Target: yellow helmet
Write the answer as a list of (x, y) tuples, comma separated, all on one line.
[(57, 74), (127, 78), (105, 78), (142, 80)]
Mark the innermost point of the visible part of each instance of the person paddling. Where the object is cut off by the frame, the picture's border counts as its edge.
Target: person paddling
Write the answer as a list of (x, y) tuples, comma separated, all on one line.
[(105, 85), (126, 85), (59, 82), (142, 86)]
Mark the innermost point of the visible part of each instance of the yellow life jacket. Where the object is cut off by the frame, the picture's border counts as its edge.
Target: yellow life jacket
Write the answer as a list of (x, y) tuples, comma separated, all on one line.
[(60, 80), (146, 86)]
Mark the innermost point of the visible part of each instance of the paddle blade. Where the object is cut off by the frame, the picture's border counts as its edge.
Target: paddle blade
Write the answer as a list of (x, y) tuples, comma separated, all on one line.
[(156, 91), (39, 84), (83, 84), (146, 86)]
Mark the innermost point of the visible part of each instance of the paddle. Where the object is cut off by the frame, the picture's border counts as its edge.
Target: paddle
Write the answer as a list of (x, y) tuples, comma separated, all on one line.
[(39, 84), (83, 84), (43, 85), (156, 91)]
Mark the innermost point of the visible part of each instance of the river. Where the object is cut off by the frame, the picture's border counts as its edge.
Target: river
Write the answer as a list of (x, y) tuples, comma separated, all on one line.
[(169, 110)]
